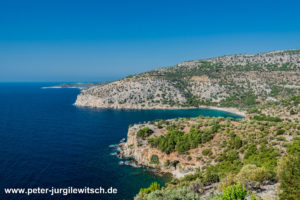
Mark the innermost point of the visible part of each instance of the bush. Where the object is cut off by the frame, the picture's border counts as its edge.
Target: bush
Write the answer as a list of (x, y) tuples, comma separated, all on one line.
[(280, 132), (294, 147), (206, 152), (293, 112), (153, 187), (235, 192), (265, 156), (144, 132), (154, 159), (252, 176), (289, 172), (167, 163), (182, 193), (236, 143), (229, 162), (227, 181), (289, 177)]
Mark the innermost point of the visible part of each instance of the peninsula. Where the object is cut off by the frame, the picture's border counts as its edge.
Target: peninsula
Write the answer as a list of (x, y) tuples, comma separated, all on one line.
[(258, 155)]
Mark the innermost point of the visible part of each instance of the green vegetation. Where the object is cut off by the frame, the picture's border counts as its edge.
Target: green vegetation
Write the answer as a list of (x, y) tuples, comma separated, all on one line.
[(207, 152), (154, 159), (234, 155), (177, 140), (267, 118), (234, 192), (264, 156), (153, 187), (144, 132), (244, 99), (289, 172), (250, 175)]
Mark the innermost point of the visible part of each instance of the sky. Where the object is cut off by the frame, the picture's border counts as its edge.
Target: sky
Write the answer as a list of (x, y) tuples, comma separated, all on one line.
[(87, 41)]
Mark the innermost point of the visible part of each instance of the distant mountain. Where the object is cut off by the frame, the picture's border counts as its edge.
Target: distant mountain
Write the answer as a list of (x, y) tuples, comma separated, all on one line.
[(239, 80)]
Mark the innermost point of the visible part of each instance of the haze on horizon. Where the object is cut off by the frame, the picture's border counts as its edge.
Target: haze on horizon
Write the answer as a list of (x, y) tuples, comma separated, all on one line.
[(105, 40)]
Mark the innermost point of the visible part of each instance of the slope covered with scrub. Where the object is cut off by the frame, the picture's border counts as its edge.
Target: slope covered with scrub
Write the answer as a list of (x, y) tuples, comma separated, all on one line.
[(227, 81), (215, 154)]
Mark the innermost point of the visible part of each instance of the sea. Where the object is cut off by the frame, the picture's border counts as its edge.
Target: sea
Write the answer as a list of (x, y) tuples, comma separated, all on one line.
[(48, 143)]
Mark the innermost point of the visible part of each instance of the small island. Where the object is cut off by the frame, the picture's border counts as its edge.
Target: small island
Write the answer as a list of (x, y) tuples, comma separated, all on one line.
[(81, 86)]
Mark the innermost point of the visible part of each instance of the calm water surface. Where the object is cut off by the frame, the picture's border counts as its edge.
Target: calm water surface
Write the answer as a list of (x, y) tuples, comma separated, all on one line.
[(45, 141)]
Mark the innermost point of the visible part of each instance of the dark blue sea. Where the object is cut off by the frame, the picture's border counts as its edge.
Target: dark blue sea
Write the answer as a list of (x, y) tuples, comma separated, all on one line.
[(46, 141)]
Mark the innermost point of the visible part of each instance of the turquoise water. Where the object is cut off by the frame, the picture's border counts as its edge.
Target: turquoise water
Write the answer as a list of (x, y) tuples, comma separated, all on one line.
[(48, 142)]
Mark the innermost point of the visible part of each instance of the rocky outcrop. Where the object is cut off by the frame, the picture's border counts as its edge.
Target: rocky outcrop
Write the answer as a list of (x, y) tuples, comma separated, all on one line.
[(141, 152)]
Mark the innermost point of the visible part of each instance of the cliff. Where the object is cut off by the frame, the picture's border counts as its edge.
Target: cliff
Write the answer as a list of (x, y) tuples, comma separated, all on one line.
[(140, 151)]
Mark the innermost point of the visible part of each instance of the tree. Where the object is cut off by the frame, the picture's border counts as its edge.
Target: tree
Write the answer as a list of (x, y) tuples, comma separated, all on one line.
[(144, 132), (289, 172)]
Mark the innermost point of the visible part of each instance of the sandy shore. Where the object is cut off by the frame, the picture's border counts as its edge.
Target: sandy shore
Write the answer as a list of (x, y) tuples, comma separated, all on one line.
[(231, 110)]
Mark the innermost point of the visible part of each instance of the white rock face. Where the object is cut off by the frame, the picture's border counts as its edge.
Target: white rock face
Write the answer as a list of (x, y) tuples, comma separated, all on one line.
[(139, 93)]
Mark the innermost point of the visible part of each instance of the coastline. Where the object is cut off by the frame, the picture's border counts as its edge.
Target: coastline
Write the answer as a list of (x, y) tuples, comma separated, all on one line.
[(138, 152), (127, 159), (232, 110)]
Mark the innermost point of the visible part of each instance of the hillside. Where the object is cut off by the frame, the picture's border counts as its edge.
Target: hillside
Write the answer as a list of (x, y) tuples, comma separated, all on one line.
[(229, 81), (211, 154)]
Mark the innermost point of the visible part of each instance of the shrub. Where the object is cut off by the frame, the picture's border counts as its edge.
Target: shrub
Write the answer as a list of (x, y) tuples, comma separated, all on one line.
[(210, 177), (153, 187), (144, 132), (265, 156), (227, 181), (229, 162), (280, 132), (288, 172), (236, 143), (167, 163), (252, 176), (293, 112), (289, 177), (294, 147), (154, 159), (206, 152), (235, 192), (182, 193)]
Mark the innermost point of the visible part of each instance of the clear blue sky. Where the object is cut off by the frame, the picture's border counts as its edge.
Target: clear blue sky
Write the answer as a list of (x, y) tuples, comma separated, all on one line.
[(102, 40)]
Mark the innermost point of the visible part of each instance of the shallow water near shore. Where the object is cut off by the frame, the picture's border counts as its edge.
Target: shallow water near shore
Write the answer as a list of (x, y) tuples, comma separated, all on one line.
[(47, 142)]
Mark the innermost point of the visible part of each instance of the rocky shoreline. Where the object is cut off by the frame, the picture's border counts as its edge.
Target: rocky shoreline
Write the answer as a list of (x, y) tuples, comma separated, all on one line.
[(84, 101), (138, 153)]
